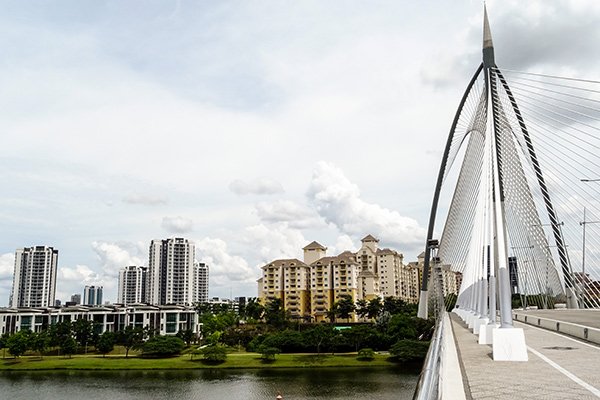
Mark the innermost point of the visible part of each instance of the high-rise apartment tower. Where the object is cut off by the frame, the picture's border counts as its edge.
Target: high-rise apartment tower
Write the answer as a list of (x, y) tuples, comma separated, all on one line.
[(133, 285), (92, 295), (34, 280), (171, 275)]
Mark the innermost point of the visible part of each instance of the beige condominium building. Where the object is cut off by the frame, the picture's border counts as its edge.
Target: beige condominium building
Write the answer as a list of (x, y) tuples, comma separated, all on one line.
[(310, 288)]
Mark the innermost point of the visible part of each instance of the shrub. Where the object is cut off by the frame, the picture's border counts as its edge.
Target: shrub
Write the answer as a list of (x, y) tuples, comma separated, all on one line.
[(268, 353), (409, 350), (366, 354), (162, 346), (215, 354)]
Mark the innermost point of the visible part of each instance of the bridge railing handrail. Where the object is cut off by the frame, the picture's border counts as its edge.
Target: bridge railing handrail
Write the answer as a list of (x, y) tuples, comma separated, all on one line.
[(428, 384)]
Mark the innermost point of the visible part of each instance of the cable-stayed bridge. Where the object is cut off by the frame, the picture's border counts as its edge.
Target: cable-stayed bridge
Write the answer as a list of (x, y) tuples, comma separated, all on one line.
[(520, 178)]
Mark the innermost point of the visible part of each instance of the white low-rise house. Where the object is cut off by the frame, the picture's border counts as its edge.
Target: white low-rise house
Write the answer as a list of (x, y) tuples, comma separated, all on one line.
[(164, 320)]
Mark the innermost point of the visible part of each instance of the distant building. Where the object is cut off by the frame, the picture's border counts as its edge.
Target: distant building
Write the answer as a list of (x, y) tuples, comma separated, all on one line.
[(34, 280), (57, 303), (200, 283), (171, 278), (92, 296), (76, 298), (133, 286), (308, 289), (164, 320)]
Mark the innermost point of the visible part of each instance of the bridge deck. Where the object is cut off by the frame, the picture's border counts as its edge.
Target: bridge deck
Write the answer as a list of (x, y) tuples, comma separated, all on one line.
[(589, 318), (574, 375)]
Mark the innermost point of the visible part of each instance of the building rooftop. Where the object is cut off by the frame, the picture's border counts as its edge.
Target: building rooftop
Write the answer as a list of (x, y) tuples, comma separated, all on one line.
[(314, 245), (345, 257), (285, 261), (369, 238)]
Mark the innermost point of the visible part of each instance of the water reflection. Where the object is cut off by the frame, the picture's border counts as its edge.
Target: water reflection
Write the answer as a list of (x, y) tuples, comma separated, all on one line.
[(295, 384)]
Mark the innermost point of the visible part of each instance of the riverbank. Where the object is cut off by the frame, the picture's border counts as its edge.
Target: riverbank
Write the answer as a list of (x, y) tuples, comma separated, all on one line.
[(234, 361)]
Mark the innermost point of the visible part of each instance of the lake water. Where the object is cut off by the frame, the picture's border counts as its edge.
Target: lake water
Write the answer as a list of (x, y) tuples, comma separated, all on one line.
[(295, 384)]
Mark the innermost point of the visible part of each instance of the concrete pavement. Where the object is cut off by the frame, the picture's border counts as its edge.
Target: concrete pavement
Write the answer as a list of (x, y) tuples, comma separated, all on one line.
[(559, 367)]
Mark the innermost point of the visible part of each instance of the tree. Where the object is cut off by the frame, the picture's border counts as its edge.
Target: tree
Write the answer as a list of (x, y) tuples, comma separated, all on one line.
[(203, 308), (106, 343), (409, 350), (319, 336), (275, 314), (131, 338), (60, 332), (359, 335), (187, 336), (362, 308), (84, 332), (214, 354), (394, 305), (3, 340), (39, 342), (18, 343), (268, 353), (374, 307), (254, 310), (402, 326), (344, 307), (162, 346), (69, 346), (213, 323)]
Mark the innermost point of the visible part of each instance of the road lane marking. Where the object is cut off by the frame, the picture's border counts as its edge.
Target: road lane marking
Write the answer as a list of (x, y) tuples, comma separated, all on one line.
[(566, 373), (563, 335)]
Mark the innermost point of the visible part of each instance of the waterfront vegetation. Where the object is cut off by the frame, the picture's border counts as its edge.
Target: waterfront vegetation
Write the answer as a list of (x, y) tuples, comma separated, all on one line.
[(257, 336)]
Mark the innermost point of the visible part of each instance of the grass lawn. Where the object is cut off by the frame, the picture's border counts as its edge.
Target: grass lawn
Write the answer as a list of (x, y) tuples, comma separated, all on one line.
[(234, 360)]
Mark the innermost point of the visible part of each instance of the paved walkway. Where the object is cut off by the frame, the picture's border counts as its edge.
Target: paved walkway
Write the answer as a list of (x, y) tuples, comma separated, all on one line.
[(589, 318), (558, 367)]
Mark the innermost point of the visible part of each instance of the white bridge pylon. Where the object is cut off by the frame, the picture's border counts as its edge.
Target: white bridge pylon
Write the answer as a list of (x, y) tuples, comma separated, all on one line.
[(493, 228)]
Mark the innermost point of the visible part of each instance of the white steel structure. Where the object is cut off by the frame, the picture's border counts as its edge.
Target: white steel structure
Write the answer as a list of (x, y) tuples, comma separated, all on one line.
[(34, 280)]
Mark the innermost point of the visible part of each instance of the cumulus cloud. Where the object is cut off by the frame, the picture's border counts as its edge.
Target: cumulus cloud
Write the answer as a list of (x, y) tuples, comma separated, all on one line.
[(79, 274), (114, 256), (223, 266), (343, 243), (338, 201), (145, 199), (274, 241), (256, 186), (296, 215), (7, 266), (177, 224)]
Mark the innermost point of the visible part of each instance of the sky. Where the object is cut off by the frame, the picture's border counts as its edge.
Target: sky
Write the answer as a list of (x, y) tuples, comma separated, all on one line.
[(249, 127)]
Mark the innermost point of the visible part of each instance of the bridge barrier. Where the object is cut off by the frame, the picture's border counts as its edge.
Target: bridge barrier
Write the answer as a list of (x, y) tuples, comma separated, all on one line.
[(441, 376), (568, 328)]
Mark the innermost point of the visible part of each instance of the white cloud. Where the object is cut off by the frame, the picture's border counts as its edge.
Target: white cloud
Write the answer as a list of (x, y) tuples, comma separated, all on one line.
[(273, 241), (223, 267), (78, 274), (177, 224), (145, 199), (296, 215), (7, 266), (114, 256), (343, 243), (256, 186), (338, 201)]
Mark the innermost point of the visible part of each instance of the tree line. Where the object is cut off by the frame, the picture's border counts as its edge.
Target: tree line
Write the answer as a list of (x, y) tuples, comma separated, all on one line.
[(70, 337), (388, 325)]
